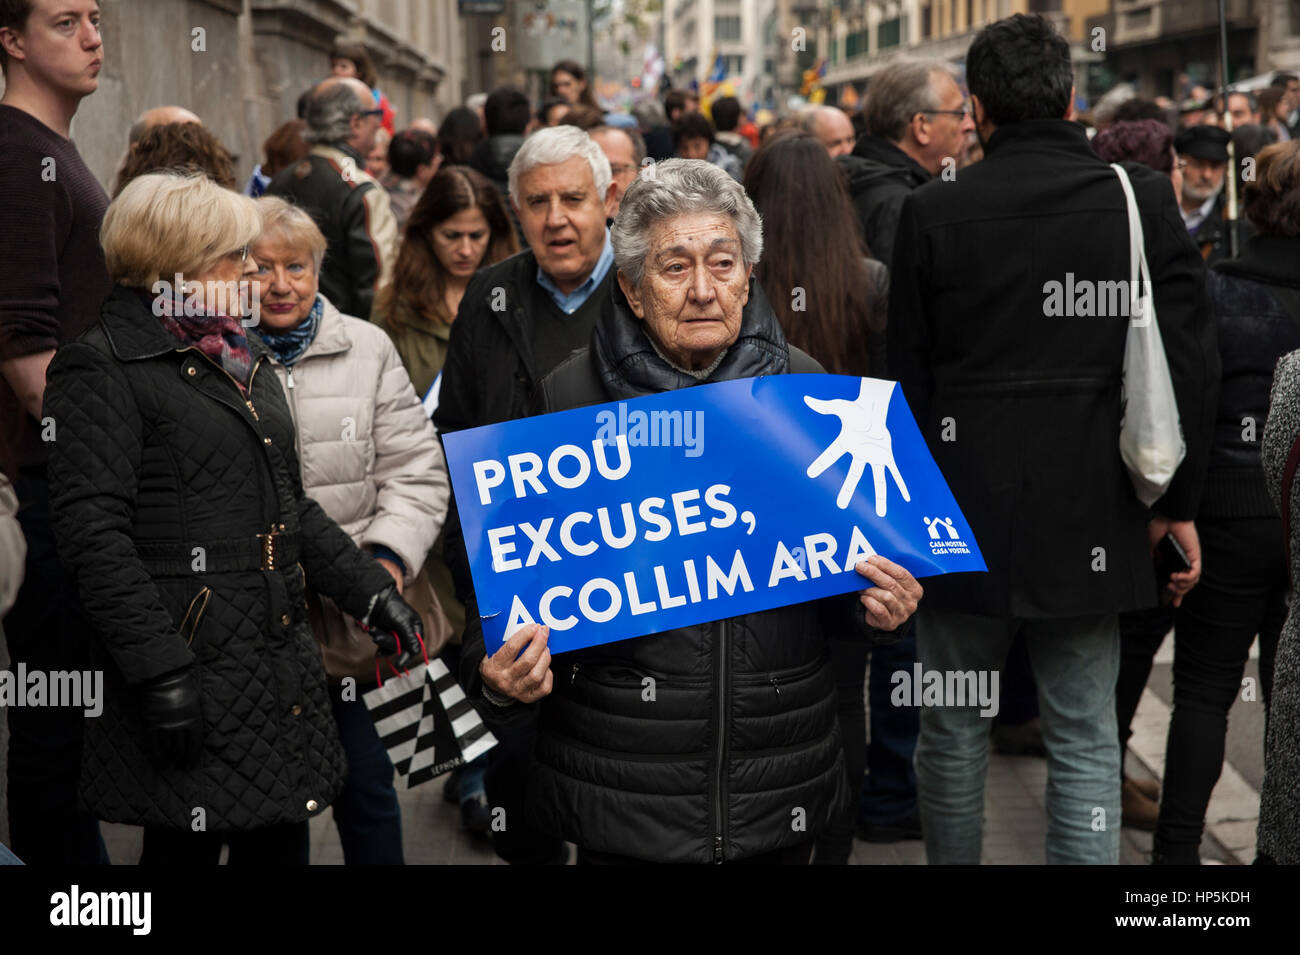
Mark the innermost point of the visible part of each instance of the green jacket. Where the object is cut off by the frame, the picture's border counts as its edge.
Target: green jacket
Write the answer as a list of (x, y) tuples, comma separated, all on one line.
[(422, 345)]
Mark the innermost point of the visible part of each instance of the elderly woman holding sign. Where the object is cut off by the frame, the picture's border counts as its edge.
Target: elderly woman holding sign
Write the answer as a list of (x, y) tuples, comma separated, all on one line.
[(738, 756)]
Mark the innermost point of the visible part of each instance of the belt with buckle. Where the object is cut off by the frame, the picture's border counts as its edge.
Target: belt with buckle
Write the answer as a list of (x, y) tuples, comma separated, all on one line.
[(274, 550)]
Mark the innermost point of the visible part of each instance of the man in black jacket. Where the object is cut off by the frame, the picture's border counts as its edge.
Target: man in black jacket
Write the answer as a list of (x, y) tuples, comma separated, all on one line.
[(350, 206), (1019, 400), (916, 118), (518, 320)]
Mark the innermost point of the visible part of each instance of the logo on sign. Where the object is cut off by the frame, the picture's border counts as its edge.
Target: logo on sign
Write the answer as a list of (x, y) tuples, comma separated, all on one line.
[(952, 544)]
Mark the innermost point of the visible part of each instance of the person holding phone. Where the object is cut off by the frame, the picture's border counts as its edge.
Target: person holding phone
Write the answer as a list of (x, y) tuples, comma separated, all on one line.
[(1255, 302)]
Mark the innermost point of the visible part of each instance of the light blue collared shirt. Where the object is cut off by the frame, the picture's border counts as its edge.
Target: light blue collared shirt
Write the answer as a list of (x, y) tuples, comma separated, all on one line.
[(573, 301)]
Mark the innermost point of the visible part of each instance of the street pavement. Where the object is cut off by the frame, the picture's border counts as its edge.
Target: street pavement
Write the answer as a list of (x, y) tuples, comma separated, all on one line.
[(1015, 818)]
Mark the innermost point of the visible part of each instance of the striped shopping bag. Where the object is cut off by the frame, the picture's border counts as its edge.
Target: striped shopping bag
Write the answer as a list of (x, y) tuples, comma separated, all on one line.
[(426, 723)]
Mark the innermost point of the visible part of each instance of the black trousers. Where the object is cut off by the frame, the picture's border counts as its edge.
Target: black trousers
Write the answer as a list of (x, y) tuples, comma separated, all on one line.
[(283, 845), (47, 630), (1140, 634), (1242, 593)]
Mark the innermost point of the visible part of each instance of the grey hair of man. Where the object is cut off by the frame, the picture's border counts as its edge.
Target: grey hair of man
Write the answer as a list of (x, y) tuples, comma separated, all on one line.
[(680, 187), (649, 113), (329, 113), (558, 144), (898, 92), (634, 137)]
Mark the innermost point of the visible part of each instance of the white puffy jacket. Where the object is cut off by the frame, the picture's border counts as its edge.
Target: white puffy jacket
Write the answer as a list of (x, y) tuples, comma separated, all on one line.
[(369, 457)]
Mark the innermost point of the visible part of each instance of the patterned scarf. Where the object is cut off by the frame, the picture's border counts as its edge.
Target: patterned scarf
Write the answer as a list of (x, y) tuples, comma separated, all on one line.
[(220, 337), (289, 346)]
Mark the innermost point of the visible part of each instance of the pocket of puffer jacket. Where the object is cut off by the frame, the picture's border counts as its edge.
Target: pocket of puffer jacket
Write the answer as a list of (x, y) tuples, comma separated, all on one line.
[(189, 625)]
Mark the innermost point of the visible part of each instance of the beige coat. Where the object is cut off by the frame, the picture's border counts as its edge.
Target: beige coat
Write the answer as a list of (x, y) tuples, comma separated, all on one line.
[(13, 548), (371, 459)]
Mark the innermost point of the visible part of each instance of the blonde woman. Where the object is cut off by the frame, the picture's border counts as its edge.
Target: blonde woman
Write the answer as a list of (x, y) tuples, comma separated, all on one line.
[(177, 505)]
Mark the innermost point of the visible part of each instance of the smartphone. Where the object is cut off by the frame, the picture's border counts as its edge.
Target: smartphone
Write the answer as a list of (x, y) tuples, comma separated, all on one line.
[(1170, 559)]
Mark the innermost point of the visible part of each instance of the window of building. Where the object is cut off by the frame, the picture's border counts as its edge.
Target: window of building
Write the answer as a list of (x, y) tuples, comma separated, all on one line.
[(734, 65), (927, 14), (889, 33), (726, 28), (856, 44)]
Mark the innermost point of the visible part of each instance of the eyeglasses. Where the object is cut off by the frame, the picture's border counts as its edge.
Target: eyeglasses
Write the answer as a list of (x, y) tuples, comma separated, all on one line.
[(377, 113), (242, 253), (618, 168), (959, 113), (1181, 164)]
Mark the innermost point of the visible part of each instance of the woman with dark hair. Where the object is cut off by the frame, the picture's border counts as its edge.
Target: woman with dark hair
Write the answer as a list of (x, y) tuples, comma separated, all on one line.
[(178, 147), (352, 59), (569, 82), (460, 133), (459, 226), (1151, 143), (1255, 302), (831, 300), (1272, 106), (282, 148)]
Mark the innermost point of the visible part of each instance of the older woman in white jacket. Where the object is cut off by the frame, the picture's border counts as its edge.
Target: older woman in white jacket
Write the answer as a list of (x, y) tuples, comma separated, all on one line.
[(371, 459)]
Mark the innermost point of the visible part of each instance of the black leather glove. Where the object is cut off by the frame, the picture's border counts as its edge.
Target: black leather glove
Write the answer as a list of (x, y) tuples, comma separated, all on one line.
[(173, 719), (394, 625)]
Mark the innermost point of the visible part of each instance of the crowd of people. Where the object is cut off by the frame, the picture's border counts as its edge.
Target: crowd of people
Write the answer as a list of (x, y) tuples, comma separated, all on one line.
[(238, 554)]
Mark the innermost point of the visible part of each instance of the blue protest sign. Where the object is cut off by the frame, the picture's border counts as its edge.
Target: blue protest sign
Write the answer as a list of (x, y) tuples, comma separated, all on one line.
[(635, 517)]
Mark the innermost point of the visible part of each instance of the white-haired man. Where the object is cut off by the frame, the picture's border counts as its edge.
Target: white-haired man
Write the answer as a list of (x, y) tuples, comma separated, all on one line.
[(518, 320)]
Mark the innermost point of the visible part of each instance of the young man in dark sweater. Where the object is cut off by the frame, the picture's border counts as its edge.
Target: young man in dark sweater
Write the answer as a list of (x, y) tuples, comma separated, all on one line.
[(51, 287), (518, 320)]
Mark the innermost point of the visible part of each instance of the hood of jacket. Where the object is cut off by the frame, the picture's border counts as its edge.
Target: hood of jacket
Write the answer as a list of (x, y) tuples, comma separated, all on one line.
[(492, 157), (629, 365), (874, 159)]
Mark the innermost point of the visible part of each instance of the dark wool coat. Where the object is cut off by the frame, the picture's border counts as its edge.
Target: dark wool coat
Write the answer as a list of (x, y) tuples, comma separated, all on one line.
[(1255, 303), (1021, 408), (739, 753), (880, 176), (158, 454)]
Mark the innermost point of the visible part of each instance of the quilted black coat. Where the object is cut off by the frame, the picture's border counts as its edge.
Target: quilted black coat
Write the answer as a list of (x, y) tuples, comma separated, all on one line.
[(738, 753), (162, 475)]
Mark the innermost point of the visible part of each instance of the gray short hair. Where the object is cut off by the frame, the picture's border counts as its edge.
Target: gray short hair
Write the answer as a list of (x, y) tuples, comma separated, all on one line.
[(677, 187), (897, 93), (329, 114), (558, 144)]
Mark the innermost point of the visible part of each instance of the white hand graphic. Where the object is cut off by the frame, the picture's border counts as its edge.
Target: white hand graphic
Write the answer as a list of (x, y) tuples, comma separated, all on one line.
[(864, 437)]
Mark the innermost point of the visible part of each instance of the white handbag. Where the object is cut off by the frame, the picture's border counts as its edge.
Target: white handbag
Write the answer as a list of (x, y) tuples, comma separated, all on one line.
[(1150, 434)]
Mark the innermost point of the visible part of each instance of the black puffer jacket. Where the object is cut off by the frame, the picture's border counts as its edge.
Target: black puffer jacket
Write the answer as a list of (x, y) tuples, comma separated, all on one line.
[(739, 751), (1255, 303), (159, 454), (879, 177)]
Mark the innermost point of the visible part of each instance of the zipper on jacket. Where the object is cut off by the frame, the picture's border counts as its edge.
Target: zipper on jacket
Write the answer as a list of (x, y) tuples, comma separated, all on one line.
[(776, 686), (293, 412), (247, 401), (573, 675), (720, 755)]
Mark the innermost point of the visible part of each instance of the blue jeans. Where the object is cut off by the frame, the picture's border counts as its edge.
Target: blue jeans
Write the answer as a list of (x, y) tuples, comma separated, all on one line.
[(1075, 661), (889, 789), (366, 812)]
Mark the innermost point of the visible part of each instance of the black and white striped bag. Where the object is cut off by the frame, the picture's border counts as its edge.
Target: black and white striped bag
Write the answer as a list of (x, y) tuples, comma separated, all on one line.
[(426, 723)]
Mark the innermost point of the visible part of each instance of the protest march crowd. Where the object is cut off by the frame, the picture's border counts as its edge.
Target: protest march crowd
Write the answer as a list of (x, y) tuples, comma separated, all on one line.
[(226, 492)]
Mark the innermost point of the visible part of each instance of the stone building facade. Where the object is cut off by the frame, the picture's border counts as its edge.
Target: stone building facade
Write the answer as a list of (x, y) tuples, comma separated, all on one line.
[(242, 64)]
